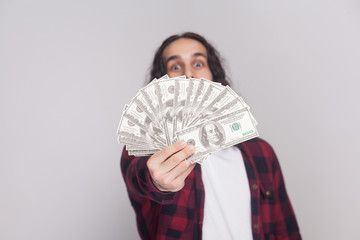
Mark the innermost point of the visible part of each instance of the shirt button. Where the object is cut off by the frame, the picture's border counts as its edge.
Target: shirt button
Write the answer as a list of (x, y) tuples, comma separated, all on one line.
[(256, 226), (268, 193), (255, 186), (200, 222)]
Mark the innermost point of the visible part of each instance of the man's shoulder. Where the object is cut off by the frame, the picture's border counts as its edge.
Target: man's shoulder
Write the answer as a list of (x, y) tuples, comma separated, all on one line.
[(254, 143), (257, 147), (256, 140), (259, 154)]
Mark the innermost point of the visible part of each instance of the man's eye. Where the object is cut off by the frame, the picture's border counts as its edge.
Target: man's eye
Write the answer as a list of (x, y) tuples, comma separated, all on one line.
[(176, 67), (198, 64)]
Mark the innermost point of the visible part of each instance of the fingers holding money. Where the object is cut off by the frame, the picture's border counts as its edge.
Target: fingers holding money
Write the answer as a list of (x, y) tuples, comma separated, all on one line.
[(172, 163), (168, 169), (184, 169), (180, 179), (162, 155)]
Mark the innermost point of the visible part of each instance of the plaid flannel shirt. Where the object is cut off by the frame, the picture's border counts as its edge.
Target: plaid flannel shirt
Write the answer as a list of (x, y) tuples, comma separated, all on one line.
[(168, 215)]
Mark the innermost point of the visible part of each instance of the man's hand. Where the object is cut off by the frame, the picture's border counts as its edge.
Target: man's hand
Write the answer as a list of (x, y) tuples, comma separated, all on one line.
[(168, 168)]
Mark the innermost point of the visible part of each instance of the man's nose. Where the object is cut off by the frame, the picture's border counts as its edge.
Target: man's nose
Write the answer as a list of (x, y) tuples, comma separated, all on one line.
[(188, 72)]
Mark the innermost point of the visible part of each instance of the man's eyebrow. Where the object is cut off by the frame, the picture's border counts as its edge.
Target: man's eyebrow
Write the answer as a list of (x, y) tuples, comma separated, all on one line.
[(199, 54), (172, 58)]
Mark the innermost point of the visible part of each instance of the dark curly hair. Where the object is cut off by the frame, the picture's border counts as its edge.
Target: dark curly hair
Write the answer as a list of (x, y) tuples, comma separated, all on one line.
[(158, 68)]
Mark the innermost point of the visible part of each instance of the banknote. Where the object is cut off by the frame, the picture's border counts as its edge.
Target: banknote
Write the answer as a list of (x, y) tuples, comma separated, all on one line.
[(137, 116), (218, 133), (180, 98), (130, 133), (151, 94), (173, 109), (226, 101), (206, 94)]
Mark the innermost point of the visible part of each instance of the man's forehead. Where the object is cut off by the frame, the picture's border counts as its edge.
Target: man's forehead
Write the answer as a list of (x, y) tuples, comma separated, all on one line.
[(184, 45)]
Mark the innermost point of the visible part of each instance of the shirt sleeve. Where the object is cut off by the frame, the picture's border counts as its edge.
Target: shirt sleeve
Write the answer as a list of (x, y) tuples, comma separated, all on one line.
[(138, 181)]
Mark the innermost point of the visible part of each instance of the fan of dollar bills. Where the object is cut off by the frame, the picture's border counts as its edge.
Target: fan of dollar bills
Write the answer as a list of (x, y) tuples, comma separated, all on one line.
[(203, 113)]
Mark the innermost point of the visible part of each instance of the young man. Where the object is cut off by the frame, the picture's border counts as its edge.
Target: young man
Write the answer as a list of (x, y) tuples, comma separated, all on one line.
[(238, 193)]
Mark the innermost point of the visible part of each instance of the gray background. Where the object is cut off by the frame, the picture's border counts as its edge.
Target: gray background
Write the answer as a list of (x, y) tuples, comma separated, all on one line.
[(68, 67)]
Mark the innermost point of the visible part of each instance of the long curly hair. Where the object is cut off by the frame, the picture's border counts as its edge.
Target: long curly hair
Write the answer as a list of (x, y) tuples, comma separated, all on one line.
[(158, 68)]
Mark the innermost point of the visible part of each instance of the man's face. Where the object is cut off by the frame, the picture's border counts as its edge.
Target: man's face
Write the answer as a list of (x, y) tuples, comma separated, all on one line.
[(187, 57), (212, 134)]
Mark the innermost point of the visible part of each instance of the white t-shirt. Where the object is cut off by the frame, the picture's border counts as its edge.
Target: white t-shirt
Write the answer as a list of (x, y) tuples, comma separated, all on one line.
[(227, 210)]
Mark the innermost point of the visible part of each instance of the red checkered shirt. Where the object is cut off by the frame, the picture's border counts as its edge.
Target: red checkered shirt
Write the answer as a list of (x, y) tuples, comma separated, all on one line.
[(179, 215)]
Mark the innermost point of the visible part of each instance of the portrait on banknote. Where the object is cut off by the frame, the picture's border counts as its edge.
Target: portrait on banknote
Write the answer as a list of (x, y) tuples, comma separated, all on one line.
[(211, 135)]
